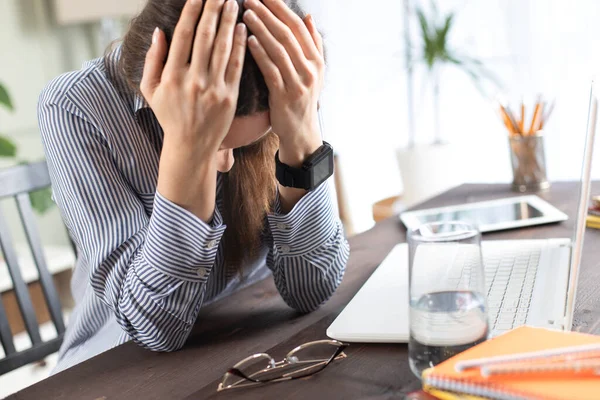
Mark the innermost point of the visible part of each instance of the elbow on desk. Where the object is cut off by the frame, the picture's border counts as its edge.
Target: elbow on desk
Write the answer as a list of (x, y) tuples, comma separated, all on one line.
[(313, 297), (161, 342), (305, 308)]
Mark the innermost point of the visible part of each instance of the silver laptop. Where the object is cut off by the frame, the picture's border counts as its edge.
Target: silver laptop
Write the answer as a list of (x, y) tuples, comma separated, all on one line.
[(529, 282)]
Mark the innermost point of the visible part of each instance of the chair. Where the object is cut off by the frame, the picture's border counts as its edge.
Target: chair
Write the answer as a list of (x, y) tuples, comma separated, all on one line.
[(342, 201), (385, 208), (17, 182)]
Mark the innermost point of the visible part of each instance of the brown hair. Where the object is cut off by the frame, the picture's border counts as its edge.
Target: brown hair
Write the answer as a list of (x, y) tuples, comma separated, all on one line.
[(249, 188)]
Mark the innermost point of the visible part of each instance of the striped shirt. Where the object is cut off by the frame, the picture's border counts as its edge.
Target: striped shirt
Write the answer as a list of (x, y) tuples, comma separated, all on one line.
[(145, 265)]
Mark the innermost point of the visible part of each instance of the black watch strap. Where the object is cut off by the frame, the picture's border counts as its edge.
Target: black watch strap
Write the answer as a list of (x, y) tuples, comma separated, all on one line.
[(317, 168), (290, 176)]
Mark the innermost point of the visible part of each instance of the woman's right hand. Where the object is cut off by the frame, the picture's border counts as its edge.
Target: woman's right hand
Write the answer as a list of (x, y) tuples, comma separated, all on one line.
[(194, 96), (194, 101)]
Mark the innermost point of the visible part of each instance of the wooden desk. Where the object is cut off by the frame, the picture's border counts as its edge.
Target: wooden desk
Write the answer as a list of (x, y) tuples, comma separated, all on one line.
[(256, 320)]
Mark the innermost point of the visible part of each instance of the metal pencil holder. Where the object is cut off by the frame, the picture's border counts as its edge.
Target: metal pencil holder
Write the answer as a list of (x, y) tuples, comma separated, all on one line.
[(528, 163)]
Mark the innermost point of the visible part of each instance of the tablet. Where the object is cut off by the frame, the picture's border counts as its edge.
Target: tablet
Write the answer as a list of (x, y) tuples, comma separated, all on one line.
[(489, 216)]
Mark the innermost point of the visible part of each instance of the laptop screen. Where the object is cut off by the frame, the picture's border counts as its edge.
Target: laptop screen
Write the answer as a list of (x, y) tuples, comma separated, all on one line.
[(584, 197)]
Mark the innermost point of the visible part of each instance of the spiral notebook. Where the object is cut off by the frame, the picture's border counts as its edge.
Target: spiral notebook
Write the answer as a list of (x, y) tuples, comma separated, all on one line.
[(556, 385)]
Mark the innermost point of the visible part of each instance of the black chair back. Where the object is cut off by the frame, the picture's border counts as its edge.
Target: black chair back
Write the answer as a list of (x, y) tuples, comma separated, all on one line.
[(18, 182)]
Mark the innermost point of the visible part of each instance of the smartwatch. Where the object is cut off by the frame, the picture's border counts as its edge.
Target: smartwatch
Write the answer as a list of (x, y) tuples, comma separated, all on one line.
[(315, 170)]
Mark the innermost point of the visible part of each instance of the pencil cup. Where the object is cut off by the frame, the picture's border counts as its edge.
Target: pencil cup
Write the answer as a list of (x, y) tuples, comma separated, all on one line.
[(528, 163)]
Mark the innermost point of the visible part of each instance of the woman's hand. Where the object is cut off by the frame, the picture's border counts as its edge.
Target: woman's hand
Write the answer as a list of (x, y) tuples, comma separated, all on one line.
[(289, 53), (194, 101)]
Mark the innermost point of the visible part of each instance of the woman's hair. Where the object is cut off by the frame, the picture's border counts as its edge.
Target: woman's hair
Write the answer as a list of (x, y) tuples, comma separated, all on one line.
[(164, 14), (249, 189)]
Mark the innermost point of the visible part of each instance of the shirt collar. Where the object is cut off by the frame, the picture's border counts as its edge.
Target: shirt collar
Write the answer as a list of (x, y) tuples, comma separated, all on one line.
[(134, 98), (139, 103)]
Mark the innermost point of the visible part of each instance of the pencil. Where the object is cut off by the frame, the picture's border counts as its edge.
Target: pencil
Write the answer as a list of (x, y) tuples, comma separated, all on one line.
[(513, 121), (540, 117), (583, 366), (506, 121), (534, 118), (527, 356), (522, 122), (547, 115)]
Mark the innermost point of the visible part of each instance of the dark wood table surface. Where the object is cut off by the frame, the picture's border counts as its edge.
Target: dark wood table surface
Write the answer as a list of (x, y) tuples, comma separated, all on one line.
[(257, 320)]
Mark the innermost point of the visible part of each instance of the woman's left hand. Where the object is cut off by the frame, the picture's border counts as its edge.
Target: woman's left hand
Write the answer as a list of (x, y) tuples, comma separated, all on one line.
[(289, 52)]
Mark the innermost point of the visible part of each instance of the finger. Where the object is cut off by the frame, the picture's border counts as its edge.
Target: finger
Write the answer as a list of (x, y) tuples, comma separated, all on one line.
[(181, 45), (276, 52), (224, 41), (154, 64), (295, 23), (279, 31), (205, 36), (314, 32), (270, 72), (238, 54)]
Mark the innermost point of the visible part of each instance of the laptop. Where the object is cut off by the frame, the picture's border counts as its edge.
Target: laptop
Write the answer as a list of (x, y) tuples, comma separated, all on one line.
[(528, 282)]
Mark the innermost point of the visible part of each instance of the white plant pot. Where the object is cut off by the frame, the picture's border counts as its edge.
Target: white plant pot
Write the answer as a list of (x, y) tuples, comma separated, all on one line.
[(428, 170)]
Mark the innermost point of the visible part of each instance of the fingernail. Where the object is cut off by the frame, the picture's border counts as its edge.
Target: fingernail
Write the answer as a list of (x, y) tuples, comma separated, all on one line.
[(240, 29), (249, 14), (155, 35), (196, 2), (253, 41), (230, 5)]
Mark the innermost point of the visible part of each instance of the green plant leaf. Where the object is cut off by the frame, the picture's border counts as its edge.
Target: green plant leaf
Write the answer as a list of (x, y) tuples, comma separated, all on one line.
[(482, 71), (429, 52), (454, 60), (7, 147), (423, 23), (435, 33), (442, 33), (41, 200), (5, 98)]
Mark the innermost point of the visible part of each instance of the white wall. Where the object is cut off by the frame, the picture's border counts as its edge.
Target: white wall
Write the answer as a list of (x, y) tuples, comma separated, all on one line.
[(32, 51), (545, 46), (363, 101)]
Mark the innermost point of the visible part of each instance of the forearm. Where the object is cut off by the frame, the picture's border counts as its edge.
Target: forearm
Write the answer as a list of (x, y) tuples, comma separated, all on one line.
[(156, 310), (187, 176), (160, 273), (308, 251)]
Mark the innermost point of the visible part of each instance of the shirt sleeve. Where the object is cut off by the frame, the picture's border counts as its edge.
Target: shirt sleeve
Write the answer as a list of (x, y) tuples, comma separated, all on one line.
[(308, 251), (151, 271)]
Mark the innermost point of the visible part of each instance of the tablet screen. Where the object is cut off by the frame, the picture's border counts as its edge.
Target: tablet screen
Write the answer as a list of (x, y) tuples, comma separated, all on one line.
[(487, 215)]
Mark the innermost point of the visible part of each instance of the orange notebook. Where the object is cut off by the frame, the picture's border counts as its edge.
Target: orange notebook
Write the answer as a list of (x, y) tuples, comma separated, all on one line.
[(566, 385)]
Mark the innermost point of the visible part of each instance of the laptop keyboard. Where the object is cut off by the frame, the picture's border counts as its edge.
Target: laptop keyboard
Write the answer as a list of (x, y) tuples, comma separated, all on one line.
[(510, 277)]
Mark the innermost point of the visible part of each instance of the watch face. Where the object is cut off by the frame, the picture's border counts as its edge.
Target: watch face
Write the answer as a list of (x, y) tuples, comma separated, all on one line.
[(322, 170)]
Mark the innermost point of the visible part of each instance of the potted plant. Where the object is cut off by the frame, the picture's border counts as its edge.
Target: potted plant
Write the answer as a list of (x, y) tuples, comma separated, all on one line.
[(427, 168), (7, 147), (41, 200)]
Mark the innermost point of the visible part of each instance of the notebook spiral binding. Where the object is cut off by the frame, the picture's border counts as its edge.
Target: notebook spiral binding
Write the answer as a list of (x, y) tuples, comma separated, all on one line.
[(464, 386)]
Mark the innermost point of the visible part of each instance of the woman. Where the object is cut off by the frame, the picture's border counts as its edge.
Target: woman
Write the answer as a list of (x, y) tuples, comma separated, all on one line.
[(141, 147)]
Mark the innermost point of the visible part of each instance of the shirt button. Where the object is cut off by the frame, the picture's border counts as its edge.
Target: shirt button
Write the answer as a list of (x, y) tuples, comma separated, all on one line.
[(211, 244), (201, 272), (285, 249), (282, 226)]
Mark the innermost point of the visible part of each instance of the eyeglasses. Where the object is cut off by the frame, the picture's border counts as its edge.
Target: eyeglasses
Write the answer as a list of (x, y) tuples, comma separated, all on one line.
[(303, 361)]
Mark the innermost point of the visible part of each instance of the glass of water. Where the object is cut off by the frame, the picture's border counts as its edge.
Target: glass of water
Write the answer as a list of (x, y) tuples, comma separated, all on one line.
[(448, 310)]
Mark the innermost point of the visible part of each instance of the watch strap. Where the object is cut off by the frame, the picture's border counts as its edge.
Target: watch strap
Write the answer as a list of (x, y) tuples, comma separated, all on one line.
[(290, 176)]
